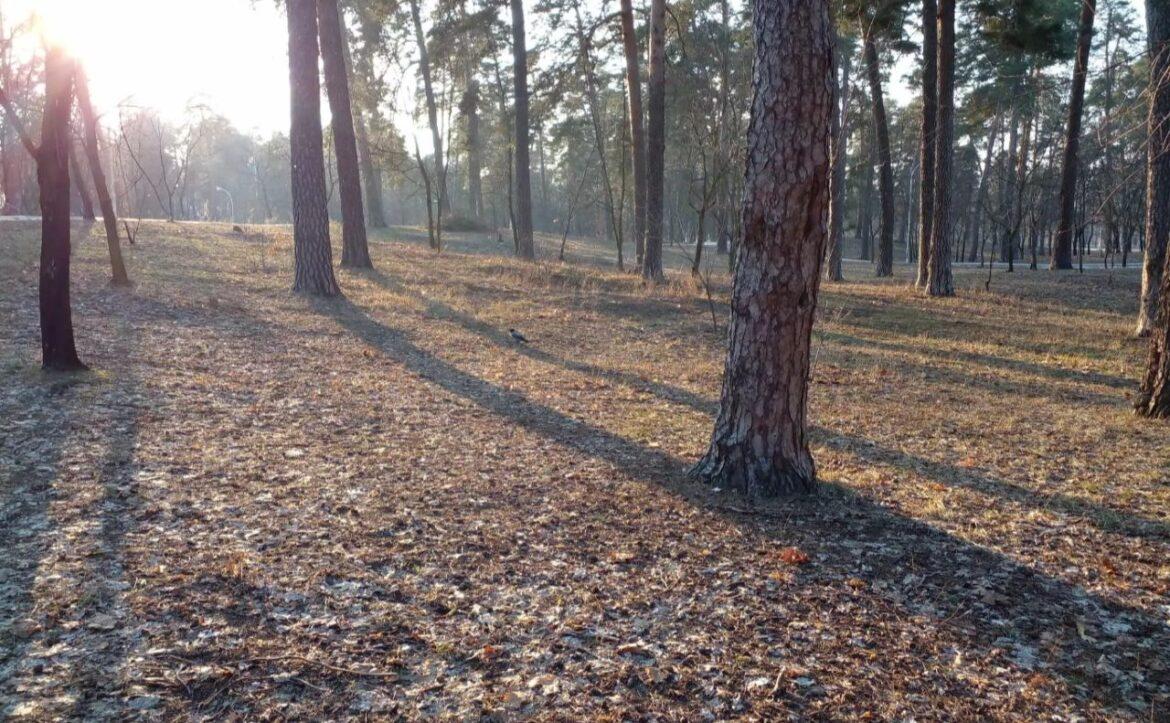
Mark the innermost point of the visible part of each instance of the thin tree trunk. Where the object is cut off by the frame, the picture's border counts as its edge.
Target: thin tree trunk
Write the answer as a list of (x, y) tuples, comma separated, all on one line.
[(524, 243), (655, 144), (941, 282), (371, 174), (87, 212), (355, 250), (1157, 166), (470, 109), (58, 350), (598, 122), (930, 100), (885, 264), (312, 254), (637, 133), (840, 141), (118, 275), (759, 445), (424, 69), (1062, 247)]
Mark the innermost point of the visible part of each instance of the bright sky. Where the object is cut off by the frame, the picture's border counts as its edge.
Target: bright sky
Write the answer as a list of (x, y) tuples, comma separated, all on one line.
[(229, 54)]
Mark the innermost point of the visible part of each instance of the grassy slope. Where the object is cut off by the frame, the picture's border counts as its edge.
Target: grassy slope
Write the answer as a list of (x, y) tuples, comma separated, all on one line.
[(380, 505)]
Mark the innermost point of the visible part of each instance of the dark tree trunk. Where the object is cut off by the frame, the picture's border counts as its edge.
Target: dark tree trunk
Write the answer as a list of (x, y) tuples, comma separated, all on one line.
[(930, 101), (313, 256), (524, 244), (760, 444), (118, 275), (355, 250), (837, 196), (1157, 165), (885, 261), (940, 281), (87, 212), (424, 69), (58, 351), (1063, 246), (637, 133), (655, 144)]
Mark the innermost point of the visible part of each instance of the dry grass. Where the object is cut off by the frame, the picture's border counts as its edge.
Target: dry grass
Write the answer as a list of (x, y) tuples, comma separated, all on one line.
[(267, 506)]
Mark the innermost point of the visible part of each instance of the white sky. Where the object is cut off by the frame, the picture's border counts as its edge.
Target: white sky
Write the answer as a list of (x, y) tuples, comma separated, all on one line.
[(228, 54)]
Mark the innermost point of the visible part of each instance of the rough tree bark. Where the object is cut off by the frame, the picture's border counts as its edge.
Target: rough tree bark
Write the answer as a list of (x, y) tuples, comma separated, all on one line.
[(355, 250), (885, 261), (1157, 163), (760, 445), (118, 275), (929, 136), (58, 350), (524, 245), (940, 281), (655, 144), (637, 132), (313, 256), (837, 195), (1062, 248)]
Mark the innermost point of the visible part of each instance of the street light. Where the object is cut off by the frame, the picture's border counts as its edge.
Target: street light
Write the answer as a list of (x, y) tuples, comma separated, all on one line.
[(231, 201)]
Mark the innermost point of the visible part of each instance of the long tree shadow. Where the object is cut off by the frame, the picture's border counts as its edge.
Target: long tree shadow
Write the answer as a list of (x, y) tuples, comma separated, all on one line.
[(1104, 518), (952, 377), (80, 414), (985, 596), (990, 361), (501, 338), (1043, 371)]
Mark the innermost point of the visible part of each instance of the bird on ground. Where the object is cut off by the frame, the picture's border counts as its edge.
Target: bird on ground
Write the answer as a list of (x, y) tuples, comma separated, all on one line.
[(517, 337)]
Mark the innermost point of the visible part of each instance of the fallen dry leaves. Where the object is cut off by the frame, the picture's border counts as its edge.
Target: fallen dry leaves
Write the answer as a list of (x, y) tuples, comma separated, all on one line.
[(267, 507)]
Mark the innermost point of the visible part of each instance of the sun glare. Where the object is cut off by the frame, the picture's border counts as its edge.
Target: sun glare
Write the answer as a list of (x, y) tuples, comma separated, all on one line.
[(167, 54)]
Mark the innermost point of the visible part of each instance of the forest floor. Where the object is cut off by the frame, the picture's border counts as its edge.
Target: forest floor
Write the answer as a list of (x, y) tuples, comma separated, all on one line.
[(264, 506)]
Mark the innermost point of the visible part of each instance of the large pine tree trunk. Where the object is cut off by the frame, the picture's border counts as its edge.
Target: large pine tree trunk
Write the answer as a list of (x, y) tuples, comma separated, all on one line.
[(313, 256), (1062, 250), (355, 250), (1157, 164), (940, 281), (655, 144), (118, 275), (837, 191), (58, 351), (637, 132), (760, 445), (885, 261), (523, 223), (930, 101)]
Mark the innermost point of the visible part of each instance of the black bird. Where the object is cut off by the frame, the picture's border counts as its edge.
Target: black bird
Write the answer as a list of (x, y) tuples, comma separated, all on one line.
[(517, 336)]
